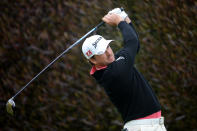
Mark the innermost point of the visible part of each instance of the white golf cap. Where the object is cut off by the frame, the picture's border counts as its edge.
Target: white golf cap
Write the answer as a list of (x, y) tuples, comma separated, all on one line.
[(94, 45)]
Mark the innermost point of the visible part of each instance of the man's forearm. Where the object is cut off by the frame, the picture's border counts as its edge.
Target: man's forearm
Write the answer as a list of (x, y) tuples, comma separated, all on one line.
[(128, 32), (130, 41), (130, 23), (128, 20)]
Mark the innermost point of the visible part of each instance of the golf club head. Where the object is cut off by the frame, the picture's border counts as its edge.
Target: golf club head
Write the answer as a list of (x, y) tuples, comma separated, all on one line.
[(9, 106)]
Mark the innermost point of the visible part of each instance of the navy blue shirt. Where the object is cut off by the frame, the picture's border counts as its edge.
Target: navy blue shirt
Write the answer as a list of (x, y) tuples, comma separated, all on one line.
[(126, 87)]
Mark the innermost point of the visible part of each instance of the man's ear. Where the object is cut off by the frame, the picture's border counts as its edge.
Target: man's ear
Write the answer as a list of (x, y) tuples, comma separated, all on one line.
[(93, 61)]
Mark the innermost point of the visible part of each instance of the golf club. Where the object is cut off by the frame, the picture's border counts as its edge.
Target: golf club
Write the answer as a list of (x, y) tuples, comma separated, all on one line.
[(10, 103)]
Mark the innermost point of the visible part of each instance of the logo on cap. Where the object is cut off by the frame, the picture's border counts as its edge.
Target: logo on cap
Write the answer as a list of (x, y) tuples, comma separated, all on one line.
[(95, 43), (88, 53)]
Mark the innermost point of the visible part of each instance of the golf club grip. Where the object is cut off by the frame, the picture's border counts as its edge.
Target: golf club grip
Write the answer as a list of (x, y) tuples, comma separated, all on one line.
[(100, 24), (122, 9)]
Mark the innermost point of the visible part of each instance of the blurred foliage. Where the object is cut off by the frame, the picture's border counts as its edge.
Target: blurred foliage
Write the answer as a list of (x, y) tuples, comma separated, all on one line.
[(65, 97)]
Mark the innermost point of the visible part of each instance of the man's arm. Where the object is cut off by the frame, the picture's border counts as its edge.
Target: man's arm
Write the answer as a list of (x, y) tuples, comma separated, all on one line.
[(129, 36), (128, 20)]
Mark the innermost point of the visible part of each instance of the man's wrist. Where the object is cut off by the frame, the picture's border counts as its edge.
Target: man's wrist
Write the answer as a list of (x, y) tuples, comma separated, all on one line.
[(119, 22), (128, 20)]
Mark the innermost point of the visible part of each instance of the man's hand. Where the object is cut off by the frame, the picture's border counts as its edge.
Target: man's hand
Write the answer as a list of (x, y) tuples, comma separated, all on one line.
[(119, 12), (112, 19)]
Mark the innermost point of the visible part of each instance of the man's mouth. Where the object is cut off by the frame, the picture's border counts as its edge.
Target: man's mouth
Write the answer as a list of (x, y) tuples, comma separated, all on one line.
[(110, 58)]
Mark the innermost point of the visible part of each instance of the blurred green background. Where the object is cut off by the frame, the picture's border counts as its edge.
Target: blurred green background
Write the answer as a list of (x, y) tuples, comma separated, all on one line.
[(66, 97)]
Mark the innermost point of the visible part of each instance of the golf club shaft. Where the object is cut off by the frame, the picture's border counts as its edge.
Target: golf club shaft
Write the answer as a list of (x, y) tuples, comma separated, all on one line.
[(76, 43)]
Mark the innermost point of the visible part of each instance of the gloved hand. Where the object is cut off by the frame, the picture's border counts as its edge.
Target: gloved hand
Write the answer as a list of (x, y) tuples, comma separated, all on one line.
[(118, 11), (112, 19)]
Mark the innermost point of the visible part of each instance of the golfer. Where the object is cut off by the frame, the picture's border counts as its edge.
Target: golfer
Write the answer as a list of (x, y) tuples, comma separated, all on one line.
[(126, 87)]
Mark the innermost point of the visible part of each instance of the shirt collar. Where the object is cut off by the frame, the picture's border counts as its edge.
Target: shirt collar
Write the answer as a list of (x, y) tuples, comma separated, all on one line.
[(94, 69)]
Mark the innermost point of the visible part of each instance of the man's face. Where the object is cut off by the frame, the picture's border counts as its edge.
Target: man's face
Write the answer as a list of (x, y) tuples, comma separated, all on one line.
[(103, 59)]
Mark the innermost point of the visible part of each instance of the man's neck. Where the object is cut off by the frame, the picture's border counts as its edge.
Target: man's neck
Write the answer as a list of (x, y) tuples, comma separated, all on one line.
[(98, 67), (94, 68)]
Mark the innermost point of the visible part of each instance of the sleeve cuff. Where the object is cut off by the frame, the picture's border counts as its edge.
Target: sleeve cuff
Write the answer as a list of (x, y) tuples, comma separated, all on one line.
[(121, 24)]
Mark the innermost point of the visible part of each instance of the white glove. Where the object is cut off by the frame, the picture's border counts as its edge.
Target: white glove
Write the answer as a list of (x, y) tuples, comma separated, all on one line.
[(118, 11)]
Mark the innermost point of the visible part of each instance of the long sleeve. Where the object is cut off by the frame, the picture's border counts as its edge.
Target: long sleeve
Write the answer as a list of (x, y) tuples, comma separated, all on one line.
[(137, 36), (131, 42)]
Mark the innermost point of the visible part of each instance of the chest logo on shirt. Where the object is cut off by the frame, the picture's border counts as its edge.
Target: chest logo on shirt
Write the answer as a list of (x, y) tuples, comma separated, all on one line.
[(120, 58), (96, 42)]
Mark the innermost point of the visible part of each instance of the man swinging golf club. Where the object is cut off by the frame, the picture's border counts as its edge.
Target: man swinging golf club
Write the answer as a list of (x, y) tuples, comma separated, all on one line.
[(126, 87)]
